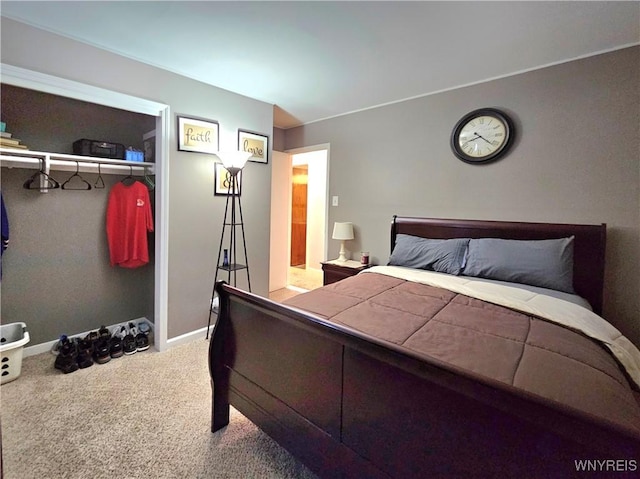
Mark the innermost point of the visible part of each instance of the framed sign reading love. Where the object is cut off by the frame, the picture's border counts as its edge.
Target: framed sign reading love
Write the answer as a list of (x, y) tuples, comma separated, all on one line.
[(201, 136), (256, 144)]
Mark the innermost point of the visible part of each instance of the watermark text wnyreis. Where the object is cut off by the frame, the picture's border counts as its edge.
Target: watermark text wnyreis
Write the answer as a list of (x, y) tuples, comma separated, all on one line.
[(606, 465)]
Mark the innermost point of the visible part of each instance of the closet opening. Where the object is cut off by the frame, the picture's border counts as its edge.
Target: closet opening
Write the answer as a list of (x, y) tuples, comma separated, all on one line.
[(56, 272)]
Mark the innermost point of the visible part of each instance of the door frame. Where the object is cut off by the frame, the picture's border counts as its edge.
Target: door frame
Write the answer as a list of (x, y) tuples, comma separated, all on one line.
[(285, 225), (309, 149)]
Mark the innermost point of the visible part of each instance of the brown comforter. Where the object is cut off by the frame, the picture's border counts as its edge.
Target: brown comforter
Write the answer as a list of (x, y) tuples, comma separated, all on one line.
[(489, 340)]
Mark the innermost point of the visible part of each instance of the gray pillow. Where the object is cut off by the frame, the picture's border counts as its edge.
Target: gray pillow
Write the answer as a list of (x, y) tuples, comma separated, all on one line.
[(544, 263), (444, 256)]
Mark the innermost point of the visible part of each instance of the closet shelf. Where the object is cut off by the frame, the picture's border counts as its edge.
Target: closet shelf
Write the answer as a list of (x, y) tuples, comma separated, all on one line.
[(60, 161)]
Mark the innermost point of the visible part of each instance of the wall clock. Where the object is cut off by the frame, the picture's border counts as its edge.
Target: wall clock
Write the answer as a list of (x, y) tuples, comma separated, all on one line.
[(482, 135)]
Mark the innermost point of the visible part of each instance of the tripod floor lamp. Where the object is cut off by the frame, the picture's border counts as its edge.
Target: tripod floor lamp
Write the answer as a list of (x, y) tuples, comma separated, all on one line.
[(233, 162)]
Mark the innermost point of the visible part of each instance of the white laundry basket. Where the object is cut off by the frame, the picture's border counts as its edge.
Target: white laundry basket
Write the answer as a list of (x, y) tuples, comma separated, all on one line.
[(13, 337)]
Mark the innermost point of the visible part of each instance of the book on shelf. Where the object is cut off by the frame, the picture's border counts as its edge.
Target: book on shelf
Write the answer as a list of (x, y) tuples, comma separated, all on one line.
[(16, 145), (9, 141), (5, 134)]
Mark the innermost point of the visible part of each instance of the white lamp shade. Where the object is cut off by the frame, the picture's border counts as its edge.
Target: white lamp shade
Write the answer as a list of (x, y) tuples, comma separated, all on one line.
[(234, 159), (342, 231)]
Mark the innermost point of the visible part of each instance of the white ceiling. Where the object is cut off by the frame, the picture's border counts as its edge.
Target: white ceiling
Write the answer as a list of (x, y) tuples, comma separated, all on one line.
[(316, 60)]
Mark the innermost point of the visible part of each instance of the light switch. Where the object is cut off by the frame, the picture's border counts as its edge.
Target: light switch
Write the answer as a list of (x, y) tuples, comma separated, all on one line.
[(334, 201)]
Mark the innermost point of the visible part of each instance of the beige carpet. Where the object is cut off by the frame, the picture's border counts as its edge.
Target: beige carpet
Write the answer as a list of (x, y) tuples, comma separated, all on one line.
[(140, 416)]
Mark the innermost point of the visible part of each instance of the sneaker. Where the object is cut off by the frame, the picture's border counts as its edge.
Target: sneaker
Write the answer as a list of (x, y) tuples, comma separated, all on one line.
[(92, 337), (115, 347), (121, 332), (129, 341), (85, 353), (142, 342), (101, 351), (104, 333), (66, 360), (144, 328)]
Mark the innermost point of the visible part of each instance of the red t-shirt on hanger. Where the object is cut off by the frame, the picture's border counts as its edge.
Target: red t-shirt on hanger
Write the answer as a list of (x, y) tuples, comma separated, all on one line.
[(128, 220)]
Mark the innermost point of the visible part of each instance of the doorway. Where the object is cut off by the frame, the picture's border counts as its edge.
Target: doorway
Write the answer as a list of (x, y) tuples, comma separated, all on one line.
[(299, 211)]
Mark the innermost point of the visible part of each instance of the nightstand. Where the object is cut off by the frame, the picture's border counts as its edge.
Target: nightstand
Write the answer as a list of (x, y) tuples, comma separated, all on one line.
[(335, 270)]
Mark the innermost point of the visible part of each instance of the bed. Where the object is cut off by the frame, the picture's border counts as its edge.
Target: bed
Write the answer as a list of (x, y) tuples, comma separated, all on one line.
[(524, 396)]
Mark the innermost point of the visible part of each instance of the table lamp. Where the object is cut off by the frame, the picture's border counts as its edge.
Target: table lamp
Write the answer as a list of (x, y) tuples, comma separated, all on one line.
[(342, 232)]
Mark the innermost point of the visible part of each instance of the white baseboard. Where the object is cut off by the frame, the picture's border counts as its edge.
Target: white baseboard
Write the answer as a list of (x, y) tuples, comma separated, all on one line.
[(188, 337), (297, 289), (46, 347)]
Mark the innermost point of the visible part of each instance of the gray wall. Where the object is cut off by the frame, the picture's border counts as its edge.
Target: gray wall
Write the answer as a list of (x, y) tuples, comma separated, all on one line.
[(575, 160), (195, 215)]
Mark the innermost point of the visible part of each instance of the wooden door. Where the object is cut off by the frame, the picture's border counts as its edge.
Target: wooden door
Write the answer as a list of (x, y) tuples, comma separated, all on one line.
[(299, 216)]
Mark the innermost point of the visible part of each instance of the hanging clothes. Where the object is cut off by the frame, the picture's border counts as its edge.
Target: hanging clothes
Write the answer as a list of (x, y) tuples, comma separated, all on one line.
[(128, 220), (5, 225), (4, 230)]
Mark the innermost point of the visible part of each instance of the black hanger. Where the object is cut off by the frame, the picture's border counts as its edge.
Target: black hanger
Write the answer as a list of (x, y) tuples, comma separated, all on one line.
[(48, 184), (84, 185), (129, 180), (99, 184)]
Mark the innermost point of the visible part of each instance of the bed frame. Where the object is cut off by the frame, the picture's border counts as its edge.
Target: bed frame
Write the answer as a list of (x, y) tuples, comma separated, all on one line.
[(348, 405)]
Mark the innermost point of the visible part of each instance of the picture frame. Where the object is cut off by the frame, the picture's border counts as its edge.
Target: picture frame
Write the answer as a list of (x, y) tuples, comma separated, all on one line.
[(255, 143), (197, 135), (223, 183)]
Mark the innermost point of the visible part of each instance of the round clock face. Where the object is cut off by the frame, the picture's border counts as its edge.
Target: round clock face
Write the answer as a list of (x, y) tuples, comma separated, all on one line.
[(482, 135)]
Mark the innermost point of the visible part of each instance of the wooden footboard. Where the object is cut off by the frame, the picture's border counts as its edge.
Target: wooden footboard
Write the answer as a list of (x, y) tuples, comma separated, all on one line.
[(349, 406)]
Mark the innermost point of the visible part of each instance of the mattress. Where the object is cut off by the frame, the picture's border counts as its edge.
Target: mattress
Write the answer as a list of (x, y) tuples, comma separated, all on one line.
[(522, 349)]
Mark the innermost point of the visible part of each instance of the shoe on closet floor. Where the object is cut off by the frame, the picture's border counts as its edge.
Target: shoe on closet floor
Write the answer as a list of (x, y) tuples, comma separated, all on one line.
[(141, 333), (142, 342), (120, 332), (92, 337), (115, 346), (85, 353), (129, 342), (67, 358), (102, 351), (144, 328), (104, 333)]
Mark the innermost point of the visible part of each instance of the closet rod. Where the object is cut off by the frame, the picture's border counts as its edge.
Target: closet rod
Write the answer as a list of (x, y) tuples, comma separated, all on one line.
[(64, 162)]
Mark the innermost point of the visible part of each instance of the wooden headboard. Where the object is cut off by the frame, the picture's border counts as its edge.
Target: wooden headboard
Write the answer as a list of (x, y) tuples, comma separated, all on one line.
[(588, 249)]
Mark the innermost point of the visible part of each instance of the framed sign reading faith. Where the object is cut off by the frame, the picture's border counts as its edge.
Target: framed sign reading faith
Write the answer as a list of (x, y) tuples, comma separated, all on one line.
[(223, 181), (200, 136), (254, 143)]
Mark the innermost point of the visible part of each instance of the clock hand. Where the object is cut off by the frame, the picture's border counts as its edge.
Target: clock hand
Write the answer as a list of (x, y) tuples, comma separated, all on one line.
[(471, 139), (480, 136)]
